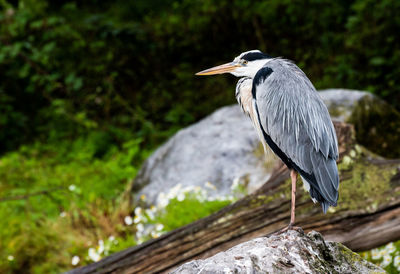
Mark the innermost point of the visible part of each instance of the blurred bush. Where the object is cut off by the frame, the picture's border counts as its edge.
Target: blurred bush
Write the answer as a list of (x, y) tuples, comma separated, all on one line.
[(59, 199), (68, 66)]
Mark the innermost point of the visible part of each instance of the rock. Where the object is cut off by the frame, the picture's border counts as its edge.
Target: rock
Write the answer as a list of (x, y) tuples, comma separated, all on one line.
[(289, 252), (342, 102), (376, 123), (219, 149)]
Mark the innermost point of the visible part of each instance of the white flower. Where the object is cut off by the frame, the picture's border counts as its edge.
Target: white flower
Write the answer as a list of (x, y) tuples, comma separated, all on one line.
[(235, 184), (159, 227), (128, 220), (150, 213), (138, 211), (111, 238), (100, 249), (387, 259), (155, 234), (10, 258), (180, 197), (75, 260), (137, 219), (140, 227), (396, 262), (375, 254), (390, 248), (162, 200), (174, 191), (93, 255), (72, 187), (63, 214), (210, 186)]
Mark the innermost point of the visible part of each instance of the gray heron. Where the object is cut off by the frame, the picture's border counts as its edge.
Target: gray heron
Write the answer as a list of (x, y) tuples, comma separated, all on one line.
[(289, 117)]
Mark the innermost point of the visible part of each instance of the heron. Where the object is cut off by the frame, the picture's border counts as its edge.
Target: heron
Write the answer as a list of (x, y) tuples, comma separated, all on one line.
[(291, 119)]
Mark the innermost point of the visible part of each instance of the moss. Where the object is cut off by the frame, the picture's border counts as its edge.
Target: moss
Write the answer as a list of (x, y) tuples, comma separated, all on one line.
[(348, 255), (363, 185), (179, 213), (377, 126), (354, 259), (268, 159), (283, 192), (337, 110)]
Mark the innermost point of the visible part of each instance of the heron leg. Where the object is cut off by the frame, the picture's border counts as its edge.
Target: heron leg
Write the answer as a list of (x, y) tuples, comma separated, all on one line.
[(293, 176)]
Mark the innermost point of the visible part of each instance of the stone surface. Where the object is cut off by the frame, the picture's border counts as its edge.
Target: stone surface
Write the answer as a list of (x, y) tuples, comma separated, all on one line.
[(219, 149), (289, 252), (342, 102), (376, 123)]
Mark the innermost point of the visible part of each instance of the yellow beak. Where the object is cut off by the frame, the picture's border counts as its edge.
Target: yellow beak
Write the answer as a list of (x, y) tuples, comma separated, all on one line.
[(228, 67)]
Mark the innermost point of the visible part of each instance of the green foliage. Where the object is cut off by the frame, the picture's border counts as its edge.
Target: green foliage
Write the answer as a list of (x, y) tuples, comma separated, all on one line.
[(191, 208), (64, 200), (40, 184), (132, 64)]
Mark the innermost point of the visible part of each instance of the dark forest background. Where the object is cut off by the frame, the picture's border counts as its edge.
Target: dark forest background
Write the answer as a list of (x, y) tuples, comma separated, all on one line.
[(67, 66), (89, 88)]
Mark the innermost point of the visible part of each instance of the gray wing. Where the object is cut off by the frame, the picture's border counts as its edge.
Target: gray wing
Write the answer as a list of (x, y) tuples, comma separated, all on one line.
[(293, 115)]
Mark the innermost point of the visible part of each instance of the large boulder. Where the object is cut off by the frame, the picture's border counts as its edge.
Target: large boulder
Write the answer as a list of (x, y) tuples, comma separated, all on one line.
[(290, 252), (376, 123), (220, 149), (342, 102), (223, 148)]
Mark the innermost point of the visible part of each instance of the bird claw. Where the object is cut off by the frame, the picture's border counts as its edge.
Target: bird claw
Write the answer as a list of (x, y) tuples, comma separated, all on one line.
[(291, 227)]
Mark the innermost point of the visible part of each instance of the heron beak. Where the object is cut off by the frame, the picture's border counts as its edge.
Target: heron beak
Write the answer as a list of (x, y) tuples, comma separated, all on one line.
[(228, 67)]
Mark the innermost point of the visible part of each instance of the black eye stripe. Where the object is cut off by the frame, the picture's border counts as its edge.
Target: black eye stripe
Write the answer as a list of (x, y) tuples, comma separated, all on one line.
[(251, 56)]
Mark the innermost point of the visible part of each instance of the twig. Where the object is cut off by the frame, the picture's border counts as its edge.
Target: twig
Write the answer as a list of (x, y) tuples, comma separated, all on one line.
[(23, 197)]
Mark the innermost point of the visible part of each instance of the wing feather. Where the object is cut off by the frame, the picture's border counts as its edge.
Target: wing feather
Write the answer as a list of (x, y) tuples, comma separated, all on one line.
[(294, 117)]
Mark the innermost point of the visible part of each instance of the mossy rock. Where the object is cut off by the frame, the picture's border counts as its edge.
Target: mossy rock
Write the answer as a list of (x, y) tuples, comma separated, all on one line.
[(377, 126), (377, 123), (289, 252)]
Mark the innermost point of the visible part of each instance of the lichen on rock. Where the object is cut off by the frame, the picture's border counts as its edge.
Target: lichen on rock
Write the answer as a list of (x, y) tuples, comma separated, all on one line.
[(289, 252), (364, 184)]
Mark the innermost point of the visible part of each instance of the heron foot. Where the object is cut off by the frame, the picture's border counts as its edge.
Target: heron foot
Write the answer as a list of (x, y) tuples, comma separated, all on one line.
[(291, 227)]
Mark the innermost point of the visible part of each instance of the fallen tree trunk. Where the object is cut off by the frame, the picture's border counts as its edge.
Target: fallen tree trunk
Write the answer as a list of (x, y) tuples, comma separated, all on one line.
[(368, 215)]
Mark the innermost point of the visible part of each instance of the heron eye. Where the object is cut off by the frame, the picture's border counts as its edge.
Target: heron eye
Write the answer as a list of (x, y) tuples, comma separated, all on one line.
[(244, 62)]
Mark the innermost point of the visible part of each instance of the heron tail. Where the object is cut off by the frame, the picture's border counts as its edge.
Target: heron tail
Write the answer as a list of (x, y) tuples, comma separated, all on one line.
[(327, 177), (323, 181)]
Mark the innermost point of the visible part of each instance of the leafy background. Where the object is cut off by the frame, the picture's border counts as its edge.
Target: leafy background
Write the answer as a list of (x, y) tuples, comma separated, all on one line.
[(89, 88)]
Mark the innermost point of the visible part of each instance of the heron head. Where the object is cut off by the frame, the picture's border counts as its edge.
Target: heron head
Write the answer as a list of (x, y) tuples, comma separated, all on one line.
[(246, 64)]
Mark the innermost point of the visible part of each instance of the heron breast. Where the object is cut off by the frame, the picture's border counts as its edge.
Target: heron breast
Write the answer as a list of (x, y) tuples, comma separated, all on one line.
[(245, 97)]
